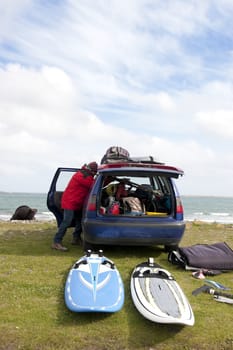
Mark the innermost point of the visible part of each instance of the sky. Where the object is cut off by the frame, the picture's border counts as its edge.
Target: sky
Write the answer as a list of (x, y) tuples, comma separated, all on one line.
[(152, 76)]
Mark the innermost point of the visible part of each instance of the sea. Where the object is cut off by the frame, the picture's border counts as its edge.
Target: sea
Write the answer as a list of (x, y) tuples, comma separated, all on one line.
[(196, 208)]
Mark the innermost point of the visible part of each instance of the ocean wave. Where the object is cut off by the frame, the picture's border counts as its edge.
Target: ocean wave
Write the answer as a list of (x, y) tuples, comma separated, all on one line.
[(43, 216), (220, 214), (223, 219)]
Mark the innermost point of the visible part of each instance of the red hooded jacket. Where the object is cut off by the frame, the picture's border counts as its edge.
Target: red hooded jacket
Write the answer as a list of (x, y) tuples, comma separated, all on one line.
[(77, 189)]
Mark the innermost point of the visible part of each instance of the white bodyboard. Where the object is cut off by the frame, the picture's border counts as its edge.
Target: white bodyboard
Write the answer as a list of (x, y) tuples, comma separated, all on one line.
[(158, 297)]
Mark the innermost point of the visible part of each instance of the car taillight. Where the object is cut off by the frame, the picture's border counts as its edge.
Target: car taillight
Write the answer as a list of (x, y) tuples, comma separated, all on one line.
[(179, 209), (92, 203)]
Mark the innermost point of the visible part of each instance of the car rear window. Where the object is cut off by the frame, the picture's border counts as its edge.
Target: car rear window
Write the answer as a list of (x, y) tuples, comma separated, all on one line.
[(152, 191)]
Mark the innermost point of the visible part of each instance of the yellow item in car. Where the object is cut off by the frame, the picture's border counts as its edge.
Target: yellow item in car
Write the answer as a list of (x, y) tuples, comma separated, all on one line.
[(111, 189), (153, 213)]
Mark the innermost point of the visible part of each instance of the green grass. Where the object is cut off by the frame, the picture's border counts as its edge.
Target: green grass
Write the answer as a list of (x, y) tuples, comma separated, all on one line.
[(34, 316)]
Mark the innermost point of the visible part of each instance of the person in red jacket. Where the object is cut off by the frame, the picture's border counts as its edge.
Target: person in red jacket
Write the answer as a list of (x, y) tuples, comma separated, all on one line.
[(72, 202)]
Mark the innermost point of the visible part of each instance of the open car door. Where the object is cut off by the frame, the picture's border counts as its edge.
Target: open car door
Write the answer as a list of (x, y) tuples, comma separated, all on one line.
[(59, 182)]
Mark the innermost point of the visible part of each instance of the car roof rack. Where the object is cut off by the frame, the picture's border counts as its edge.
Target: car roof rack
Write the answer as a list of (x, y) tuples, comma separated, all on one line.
[(140, 162), (145, 159)]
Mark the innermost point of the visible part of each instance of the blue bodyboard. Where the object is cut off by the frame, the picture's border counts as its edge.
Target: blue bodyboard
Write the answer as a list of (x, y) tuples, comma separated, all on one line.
[(94, 285)]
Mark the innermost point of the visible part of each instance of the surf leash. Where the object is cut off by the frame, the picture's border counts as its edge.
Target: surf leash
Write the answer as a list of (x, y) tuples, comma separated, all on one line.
[(217, 285), (223, 299), (218, 296)]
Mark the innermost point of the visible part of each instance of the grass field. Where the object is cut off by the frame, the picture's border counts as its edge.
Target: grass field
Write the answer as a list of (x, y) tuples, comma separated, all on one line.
[(34, 316)]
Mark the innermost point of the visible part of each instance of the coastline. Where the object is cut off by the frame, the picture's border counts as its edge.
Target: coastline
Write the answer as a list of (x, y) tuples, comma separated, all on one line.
[(196, 231), (54, 220), (188, 223), (195, 208)]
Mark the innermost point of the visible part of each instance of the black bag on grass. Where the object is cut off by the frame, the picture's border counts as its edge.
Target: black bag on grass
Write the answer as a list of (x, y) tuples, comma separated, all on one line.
[(217, 256)]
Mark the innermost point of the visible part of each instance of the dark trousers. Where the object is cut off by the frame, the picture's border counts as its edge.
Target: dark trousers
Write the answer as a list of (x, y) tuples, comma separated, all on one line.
[(68, 217)]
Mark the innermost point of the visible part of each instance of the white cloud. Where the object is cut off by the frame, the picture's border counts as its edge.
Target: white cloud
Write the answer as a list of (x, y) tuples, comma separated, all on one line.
[(154, 77), (39, 101), (218, 122), (10, 10)]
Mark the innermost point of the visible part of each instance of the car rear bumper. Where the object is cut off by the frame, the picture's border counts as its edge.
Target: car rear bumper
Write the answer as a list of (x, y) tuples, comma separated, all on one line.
[(169, 233)]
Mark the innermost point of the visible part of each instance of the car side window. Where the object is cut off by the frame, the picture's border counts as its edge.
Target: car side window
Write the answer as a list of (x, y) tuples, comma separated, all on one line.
[(61, 183), (63, 180)]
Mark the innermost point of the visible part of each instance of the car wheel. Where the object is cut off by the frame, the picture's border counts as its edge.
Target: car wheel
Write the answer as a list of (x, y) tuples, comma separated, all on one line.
[(90, 246), (169, 248), (87, 246)]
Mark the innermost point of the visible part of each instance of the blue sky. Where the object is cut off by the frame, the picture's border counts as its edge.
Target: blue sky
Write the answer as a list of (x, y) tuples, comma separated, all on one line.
[(153, 76)]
